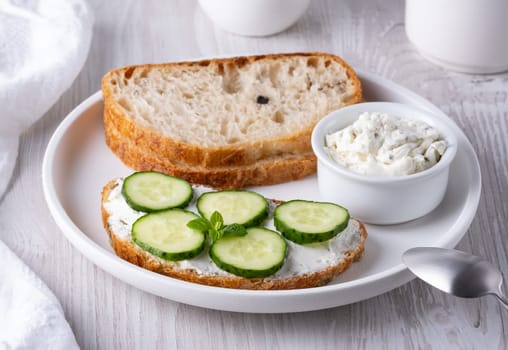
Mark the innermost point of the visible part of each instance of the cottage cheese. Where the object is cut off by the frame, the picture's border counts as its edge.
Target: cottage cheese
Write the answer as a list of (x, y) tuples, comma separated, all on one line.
[(300, 259), (379, 144)]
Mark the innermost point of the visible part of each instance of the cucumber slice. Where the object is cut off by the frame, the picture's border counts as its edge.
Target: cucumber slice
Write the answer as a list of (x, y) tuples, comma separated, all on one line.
[(308, 222), (150, 191), (236, 206), (166, 235), (260, 253)]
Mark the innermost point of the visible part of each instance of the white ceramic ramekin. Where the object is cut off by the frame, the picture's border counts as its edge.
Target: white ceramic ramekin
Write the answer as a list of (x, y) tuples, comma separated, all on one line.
[(254, 17), (376, 199)]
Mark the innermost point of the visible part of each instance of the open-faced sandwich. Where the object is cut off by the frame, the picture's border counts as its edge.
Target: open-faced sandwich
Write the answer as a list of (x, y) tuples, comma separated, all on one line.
[(228, 238)]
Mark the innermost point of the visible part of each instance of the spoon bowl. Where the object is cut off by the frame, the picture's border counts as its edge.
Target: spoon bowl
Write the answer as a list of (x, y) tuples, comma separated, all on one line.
[(455, 272)]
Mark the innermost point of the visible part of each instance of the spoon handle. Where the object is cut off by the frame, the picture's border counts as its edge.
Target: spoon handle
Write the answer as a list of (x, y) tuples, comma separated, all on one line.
[(502, 298)]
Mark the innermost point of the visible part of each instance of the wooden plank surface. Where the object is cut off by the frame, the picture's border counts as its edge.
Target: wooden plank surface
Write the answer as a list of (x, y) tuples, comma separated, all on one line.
[(106, 313)]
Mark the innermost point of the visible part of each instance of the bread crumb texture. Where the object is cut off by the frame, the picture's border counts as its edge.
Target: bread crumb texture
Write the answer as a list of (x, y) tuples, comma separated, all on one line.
[(228, 101)]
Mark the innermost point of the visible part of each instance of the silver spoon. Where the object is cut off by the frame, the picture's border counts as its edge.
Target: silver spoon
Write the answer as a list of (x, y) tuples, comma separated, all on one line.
[(455, 272)]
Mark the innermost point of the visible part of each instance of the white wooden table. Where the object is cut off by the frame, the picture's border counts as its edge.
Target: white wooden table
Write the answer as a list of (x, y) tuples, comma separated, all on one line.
[(109, 314)]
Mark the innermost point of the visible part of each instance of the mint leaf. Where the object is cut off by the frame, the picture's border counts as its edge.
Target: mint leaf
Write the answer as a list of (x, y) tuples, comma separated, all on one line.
[(215, 235), (215, 227), (199, 224), (216, 220), (234, 230)]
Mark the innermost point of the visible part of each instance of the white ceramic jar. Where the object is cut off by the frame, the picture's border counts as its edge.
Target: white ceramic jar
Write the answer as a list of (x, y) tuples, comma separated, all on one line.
[(469, 36), (254, 17)]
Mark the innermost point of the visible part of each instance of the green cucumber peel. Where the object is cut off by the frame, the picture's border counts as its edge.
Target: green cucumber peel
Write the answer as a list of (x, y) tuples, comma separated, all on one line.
[(215, 227)]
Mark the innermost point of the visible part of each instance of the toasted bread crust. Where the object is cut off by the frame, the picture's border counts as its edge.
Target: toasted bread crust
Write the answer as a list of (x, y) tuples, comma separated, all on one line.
[(264, 172), (241, 153), (232, 155), (128, 251)]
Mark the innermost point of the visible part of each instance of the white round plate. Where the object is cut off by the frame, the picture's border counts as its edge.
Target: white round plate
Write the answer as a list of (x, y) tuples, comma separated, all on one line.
[(78, 163)]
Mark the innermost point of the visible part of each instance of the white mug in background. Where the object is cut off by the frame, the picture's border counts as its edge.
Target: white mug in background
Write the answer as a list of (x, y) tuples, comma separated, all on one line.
[(468, 36), (254, 17)]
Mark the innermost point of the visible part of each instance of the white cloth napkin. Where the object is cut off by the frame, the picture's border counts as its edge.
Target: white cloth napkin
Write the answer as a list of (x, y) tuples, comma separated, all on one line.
[(43, 46), (31, 316)]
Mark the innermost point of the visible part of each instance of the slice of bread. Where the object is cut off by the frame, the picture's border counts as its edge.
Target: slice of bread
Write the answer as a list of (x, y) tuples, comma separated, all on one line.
[(225, 112), (349, 246), (265, 172)]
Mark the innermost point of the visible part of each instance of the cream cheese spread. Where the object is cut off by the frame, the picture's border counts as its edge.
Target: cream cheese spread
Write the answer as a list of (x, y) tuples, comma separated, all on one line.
[(300, 259), (379, 144)]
